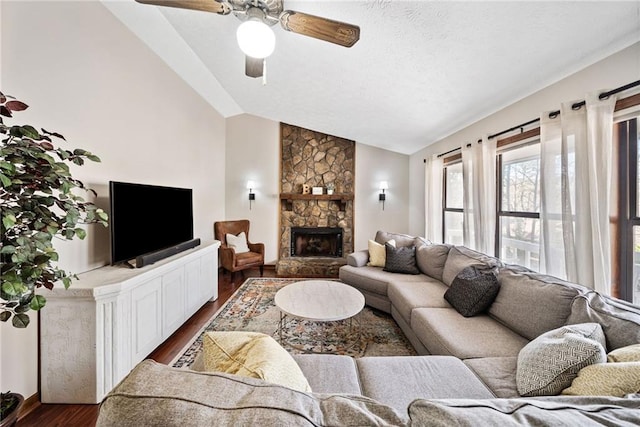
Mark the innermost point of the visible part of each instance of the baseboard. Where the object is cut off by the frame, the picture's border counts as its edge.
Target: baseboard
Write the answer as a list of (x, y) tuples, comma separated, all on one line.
[(30, 404)]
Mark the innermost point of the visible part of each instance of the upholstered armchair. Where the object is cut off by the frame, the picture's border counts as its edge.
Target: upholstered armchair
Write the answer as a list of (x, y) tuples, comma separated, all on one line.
[(238, 253)]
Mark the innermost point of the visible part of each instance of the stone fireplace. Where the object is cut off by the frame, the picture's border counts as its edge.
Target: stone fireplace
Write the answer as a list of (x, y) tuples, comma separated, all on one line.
[(316, 230), (316, 241)]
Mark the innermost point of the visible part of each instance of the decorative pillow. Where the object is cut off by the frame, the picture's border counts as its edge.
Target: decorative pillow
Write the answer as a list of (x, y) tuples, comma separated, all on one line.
[(630, 353), (238, 243), (377, 253), (253, 355), (473, 290), (383, 237), (606, 379), (549, 363), (400, 260)]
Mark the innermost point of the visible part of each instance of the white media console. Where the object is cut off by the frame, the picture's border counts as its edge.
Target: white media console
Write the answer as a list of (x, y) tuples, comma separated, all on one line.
[(94, 333)]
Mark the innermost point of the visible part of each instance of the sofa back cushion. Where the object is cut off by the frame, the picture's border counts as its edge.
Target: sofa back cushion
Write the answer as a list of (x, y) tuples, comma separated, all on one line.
[(402, 240), (532, 303), (619, 319), (461, 257), (431, 259), (156, 394)]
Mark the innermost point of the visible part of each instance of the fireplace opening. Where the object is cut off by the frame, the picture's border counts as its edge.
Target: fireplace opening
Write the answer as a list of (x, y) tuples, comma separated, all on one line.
[(316, 242)]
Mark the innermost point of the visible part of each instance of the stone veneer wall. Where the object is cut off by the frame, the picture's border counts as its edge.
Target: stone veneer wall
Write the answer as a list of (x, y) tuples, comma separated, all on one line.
[(316, 159)]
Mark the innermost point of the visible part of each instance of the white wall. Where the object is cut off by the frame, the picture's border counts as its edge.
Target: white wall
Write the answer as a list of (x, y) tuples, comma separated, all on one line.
[(253, 153), (614, 71), (372, 166), (86, 76)]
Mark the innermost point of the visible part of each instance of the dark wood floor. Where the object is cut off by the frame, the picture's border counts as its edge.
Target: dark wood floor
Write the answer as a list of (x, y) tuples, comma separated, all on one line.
[(86, 415)]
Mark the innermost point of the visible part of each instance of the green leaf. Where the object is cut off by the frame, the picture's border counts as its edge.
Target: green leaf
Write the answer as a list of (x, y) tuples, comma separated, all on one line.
[(12, 288), (81, 233), (7, 249), (37, 302), (20, 320), (7, 166), (8, 221), (6, 182), (66, 281), (4, 316), (93, 158)]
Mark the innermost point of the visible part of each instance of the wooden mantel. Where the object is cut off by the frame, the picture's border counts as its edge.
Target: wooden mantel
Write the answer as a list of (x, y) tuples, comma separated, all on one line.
[(342, 198)]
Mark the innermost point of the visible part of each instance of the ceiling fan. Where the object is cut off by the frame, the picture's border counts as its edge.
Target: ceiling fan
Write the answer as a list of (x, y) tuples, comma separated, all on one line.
[(255, 37)]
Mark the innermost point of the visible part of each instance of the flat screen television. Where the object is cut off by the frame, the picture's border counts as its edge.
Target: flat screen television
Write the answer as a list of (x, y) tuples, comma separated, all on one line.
[(146, 219)]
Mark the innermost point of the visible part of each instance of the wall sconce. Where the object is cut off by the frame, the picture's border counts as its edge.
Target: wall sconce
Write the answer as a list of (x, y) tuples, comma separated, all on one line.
[(252, 195), (384, 185)]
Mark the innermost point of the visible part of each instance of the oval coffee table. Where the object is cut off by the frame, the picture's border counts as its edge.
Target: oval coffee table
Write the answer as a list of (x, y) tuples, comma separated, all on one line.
[(318, 301)]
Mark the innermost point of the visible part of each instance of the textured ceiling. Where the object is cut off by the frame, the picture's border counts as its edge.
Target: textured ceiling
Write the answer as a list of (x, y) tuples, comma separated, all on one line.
[(421, 70)]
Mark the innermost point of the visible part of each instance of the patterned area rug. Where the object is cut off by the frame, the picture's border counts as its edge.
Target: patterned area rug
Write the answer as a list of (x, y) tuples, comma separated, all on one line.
[(251, 308)]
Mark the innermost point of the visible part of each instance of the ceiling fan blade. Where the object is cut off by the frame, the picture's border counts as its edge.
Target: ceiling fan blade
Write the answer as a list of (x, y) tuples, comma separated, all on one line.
[(214, 6), (253, 67), (320, 28)]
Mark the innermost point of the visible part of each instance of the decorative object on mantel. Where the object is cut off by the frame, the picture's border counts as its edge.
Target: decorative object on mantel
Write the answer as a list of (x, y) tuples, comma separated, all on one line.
[(252, 195), (384, 185), (39, 202), (252, 308), (317, 191), (330, 188), (306, 189)]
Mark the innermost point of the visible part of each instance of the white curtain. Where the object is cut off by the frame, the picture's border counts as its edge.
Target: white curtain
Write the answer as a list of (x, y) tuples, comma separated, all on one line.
[(479, 176), (433, 199), (576, 167)]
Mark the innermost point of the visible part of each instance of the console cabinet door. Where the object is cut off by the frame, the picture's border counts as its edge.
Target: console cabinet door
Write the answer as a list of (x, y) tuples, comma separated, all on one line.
[(194, 288), (146, 319), (209, 278), (173, 295)]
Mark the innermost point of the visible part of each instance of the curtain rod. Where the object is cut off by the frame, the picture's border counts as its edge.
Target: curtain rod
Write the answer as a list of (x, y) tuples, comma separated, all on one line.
[(553, 114)]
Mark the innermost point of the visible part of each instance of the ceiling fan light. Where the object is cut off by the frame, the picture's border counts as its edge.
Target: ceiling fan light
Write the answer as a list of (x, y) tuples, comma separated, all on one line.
[(256, 39)]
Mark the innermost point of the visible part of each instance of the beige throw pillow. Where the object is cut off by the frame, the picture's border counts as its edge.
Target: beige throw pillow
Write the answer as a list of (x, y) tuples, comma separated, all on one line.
[(238, 243), (630, 353), (377, 253), (253, 355), (606, 379)]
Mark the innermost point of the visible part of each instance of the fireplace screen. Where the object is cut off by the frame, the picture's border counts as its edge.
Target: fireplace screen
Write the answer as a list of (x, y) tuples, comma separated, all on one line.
[(316, 241)]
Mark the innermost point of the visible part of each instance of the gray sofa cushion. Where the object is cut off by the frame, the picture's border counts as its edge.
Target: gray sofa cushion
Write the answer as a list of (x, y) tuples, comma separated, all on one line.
[(461, 257), (619, 319), (400, 260), (374, 279), (402, 240), (431, 259), (498, 373), (405, 296), (473, 290), (444, 331), (156, 394), (555, 411), (329, 373), (532, 304), (396, 381)]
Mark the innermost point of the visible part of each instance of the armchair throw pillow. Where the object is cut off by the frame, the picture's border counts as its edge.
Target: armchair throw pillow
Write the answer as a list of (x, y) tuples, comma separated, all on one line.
[(549, 363), (473, 290), (400, 260), (238, 243)]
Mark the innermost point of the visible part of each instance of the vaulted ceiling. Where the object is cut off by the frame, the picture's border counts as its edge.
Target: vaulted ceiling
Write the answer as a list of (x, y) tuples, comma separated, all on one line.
[(421, 70)]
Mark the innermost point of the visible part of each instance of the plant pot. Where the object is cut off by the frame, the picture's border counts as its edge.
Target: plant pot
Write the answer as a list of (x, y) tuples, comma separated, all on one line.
[(329, 191), (11, 403)]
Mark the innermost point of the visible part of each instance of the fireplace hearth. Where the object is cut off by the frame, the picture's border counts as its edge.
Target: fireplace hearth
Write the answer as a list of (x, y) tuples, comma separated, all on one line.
[(316, 242)]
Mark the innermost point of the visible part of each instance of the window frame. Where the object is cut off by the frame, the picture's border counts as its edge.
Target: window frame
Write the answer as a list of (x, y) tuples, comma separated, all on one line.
[(451, 161)]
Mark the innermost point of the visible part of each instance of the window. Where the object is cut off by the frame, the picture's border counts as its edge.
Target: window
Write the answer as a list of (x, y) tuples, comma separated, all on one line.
[(518, 228), (629, 210), (452, 215)]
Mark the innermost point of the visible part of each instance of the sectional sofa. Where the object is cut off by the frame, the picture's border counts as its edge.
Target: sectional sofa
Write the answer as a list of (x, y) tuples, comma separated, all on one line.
[(469, 370)]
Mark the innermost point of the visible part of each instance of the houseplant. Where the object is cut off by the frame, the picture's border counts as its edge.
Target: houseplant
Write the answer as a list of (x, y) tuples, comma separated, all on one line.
[(10, 403), (40, 201)]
